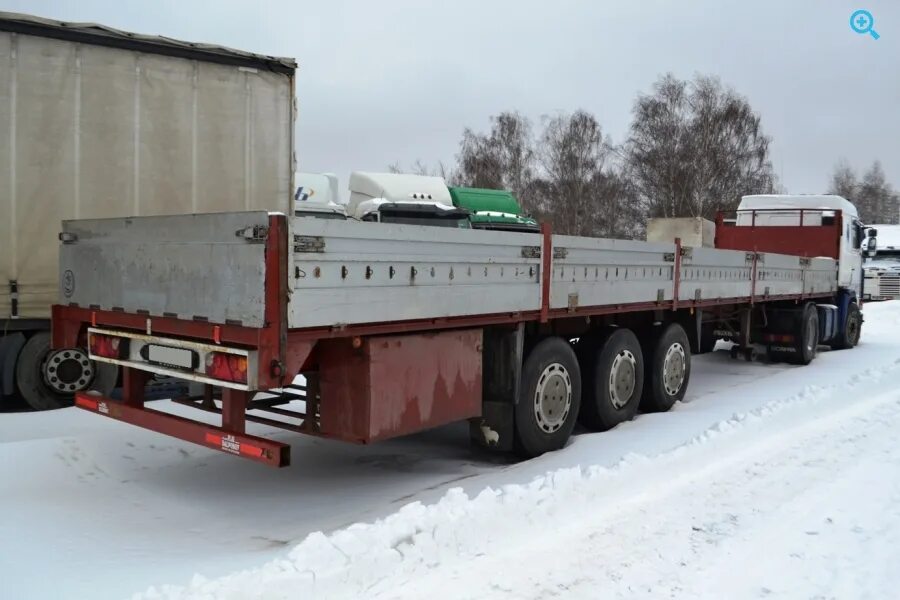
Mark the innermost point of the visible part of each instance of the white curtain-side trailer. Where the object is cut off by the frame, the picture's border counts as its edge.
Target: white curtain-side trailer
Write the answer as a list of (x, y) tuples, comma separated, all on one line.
[(98, 123)]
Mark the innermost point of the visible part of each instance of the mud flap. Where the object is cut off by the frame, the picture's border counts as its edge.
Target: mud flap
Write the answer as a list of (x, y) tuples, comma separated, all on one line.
[(10, 346)]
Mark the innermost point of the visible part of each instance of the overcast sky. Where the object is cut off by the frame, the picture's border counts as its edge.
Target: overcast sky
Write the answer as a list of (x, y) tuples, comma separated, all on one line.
[(383, 81)]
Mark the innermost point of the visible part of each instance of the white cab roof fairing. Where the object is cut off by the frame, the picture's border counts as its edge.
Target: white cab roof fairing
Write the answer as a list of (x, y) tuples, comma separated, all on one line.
[(318, 193), (824, 201), (395, 187)]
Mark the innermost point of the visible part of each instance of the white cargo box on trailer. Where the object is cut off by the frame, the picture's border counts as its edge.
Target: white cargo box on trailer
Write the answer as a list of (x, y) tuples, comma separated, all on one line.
[(96, 123)]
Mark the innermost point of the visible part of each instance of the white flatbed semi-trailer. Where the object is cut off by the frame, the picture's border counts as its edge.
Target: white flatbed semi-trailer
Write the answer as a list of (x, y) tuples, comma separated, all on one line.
[(398, 328)]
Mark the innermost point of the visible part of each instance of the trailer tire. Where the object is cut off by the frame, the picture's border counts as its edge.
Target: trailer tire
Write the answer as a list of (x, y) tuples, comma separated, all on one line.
[(807, 337), (549, 398), (30, 376), (614, 376), (849, 334), (667, 367)]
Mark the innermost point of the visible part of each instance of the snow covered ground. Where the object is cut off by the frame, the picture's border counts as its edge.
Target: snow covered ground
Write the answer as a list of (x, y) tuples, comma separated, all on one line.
[(769, 481)]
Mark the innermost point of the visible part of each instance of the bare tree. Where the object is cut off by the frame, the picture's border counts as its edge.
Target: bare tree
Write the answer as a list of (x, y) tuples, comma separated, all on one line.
[(874, 198), (501, 159), (694, 148), (843, 181), (578, 190), (878, 197)]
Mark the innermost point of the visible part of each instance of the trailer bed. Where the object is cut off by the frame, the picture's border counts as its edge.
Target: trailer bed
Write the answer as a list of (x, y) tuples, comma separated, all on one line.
[(343, 274)]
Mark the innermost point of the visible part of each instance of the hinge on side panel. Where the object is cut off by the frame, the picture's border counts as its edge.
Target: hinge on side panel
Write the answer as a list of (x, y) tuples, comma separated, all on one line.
[(685, 253), (560, 253), (309, 243), (531, 251), (749, 256), (67, 238), (804, 261), (254, 233), (573, 302)]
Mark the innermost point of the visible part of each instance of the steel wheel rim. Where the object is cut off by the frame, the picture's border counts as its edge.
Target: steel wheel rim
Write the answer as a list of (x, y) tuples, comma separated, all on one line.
[(674, 368), (552, 398), (622, 375), (67, 371)]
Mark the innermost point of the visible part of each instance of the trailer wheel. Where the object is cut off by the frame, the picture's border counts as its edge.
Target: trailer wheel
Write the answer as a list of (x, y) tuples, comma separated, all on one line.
[(807, 336), (614, 373), (49, 379), (667, 367), (549, 398), (848, 336)]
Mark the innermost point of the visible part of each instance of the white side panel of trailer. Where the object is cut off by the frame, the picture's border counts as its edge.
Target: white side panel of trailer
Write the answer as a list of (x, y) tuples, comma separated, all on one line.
[(709, 273), (191, 267), (91, 131), (819, 276), (378, 272), (597, 272)]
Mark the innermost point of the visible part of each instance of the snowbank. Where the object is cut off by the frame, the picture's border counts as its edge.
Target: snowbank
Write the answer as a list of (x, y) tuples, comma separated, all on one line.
[(368, 559)]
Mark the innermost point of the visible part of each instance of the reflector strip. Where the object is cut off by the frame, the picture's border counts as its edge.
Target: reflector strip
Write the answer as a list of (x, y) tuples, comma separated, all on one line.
[(228, 443), (86, 402)]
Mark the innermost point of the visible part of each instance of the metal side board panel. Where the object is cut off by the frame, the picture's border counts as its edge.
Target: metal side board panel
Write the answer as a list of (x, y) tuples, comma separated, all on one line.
[(594, 271), (347, 272), (203, 267)]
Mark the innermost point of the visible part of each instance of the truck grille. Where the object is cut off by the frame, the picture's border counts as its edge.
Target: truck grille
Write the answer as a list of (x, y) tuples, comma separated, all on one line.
[(889, 284)]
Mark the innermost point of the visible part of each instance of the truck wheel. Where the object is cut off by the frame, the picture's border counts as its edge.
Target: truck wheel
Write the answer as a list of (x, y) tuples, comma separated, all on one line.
[(615, 380), (667, 368), (48, 379), (807, 336), (549, 398), (848, 336)]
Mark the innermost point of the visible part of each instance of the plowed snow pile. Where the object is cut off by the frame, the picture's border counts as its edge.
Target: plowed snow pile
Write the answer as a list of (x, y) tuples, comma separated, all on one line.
[(794, 492)]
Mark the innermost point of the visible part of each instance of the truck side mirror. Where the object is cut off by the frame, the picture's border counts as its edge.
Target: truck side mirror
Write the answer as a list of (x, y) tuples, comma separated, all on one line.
[(870, 245)]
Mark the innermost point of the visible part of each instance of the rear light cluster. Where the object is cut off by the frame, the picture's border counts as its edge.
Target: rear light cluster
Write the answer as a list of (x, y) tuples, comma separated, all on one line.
[(228, 367), (107, 346)]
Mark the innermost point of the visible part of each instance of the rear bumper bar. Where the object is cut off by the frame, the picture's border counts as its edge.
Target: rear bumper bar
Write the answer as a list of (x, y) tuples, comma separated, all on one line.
[(255, 448)]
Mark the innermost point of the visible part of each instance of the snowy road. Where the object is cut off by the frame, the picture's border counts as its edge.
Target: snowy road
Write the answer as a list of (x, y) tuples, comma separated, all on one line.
[(768, 481)]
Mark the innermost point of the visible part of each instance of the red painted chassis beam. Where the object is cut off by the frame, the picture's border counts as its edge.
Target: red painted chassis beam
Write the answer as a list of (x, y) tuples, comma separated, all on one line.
[(259, 449)]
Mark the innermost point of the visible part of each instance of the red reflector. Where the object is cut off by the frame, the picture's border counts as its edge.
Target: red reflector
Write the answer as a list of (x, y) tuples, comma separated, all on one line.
[(107, 346), (229, 367), (86, 402)]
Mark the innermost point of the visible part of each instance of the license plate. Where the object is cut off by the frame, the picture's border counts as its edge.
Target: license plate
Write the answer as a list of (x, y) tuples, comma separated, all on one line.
[(171, 357)]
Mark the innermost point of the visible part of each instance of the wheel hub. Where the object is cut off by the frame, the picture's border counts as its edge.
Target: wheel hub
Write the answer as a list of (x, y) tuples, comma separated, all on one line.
[(68, 371), (622, 379), (674, 368), (553, 398)]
